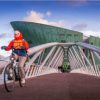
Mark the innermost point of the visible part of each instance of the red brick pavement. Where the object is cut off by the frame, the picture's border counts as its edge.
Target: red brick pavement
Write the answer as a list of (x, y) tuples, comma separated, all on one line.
[(66, 86)]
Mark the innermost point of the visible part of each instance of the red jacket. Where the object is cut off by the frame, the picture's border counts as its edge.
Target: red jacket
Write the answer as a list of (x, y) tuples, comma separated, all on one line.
[(10, 46), (17, 39)]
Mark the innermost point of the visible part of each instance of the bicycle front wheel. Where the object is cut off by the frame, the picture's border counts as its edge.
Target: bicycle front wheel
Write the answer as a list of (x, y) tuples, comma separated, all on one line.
[(20, 76), (9, 78)]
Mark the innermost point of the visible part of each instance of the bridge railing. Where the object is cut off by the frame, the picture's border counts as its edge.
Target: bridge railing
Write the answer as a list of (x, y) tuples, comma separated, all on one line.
[(48, 57), (45, 59), (84, 58)]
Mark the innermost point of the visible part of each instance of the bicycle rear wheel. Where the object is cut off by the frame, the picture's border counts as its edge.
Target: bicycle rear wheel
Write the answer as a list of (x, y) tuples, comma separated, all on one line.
[(9, 78)]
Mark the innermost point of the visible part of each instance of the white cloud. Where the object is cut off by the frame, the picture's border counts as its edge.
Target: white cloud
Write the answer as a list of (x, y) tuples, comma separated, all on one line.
[(84, 28), (4, 41), (5, 37), (2, 35), (37, 17), (90, 32), (33, 16), (80, 27), (48, 13), (59, 23)]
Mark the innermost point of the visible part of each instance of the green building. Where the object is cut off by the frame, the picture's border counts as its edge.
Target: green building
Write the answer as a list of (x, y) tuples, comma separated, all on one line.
[(94, 40), (37, 34)]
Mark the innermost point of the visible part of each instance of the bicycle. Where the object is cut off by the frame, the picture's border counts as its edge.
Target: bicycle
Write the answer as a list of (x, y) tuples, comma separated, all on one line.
[(12, 74)]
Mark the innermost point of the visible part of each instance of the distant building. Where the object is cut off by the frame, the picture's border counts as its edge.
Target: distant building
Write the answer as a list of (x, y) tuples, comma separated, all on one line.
[(94, 40), (37, 34)]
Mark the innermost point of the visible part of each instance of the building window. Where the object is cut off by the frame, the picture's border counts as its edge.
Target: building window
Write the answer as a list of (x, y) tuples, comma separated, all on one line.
[(63, 41)]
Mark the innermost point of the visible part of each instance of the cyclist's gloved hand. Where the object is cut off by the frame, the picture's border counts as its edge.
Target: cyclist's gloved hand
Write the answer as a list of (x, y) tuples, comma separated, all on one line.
[(3, 47), (23, 47)]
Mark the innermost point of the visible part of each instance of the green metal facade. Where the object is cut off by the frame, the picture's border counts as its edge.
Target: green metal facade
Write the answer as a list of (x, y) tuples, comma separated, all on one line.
[(94, 41), (37, 34)]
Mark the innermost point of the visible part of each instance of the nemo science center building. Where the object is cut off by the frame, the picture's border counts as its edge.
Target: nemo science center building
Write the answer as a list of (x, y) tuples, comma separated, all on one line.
[(36, 33)]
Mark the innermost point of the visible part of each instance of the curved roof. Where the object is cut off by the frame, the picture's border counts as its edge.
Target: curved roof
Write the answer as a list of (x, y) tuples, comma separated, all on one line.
[(37, 34)]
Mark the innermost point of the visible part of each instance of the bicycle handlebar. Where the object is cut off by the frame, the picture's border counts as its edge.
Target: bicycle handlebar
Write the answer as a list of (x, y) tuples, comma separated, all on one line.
[(3, 47)]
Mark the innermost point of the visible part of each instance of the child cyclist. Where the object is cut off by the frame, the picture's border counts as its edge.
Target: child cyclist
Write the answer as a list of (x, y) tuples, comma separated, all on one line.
[(19, 48)]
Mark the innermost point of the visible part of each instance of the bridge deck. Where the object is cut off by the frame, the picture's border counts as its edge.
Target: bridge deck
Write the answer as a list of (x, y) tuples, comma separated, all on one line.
[(67, 86)]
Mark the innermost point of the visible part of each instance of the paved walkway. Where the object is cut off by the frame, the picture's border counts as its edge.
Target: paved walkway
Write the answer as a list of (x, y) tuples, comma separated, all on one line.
[(66, 86)]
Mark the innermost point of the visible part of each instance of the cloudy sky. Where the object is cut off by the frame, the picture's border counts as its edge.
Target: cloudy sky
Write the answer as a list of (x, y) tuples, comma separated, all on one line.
[(79, 15)]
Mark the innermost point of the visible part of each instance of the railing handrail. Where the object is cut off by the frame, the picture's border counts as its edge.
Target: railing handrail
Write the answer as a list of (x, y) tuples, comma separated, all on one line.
[(89, 46), (47, 45)]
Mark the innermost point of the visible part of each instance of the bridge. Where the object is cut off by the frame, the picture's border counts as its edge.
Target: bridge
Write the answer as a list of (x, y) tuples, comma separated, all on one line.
[(80, 60)]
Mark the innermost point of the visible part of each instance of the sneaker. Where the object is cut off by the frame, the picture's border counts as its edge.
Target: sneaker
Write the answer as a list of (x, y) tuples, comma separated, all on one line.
[(23, 80)]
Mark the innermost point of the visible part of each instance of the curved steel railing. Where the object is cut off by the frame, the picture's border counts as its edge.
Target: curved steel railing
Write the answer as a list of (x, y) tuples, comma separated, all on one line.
[(84, 58), (46, 58)]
